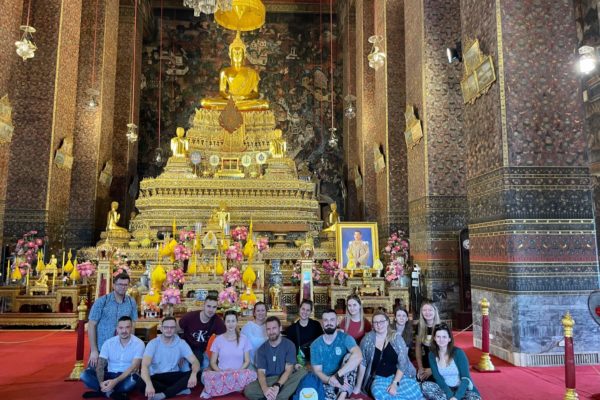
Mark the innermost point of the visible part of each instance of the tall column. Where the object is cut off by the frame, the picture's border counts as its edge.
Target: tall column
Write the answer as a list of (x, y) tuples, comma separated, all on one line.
[(44, 115), (347, 19), (94, 128), (365, 116), (531, 217), (436, 170), (125, 154), (10, 20), (391, 186)]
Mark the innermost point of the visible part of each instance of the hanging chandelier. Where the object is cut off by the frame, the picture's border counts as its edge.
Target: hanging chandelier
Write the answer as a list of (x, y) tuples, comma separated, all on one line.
[(376, 57), (350, 108), (26, 47), (333, 137), (208, 6), (132, 135)]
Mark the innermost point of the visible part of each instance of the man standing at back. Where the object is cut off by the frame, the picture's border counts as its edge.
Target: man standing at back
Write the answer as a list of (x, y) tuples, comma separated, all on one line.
[(198, 326), (105, 314)]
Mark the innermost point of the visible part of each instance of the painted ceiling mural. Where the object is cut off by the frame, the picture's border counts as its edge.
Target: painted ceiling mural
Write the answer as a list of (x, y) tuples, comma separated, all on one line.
[(291, 53)]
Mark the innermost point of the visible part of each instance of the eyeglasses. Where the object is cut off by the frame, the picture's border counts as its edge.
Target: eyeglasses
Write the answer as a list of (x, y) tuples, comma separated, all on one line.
[(381, 322)]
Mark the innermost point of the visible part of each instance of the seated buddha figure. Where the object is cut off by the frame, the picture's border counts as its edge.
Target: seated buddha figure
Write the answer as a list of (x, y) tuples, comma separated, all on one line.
[(112, 218), (277, 146), (179, 144), (237, 82)]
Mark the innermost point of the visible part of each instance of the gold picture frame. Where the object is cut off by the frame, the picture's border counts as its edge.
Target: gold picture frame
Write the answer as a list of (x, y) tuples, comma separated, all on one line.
[(472, 57), (469, 88), (359, 242), (485, 74)]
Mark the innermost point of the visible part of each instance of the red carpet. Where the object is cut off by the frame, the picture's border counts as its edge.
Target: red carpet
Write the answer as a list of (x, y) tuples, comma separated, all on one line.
[(37, 368)]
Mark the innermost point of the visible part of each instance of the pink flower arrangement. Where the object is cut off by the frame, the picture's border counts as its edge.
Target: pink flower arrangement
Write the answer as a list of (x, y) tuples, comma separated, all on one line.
[(121, 267), (396, 245), (175, 276), (171, 296), (394, 270), (28, 246), (182, 253), (239, 233), (185, 236), (86, 269), (232, 276), (263, 244), (335, 270), (234, 252), (228, 296)]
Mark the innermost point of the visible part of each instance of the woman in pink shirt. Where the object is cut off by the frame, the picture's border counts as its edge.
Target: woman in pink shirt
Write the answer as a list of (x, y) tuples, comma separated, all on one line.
[(354, 322), (229, 362)]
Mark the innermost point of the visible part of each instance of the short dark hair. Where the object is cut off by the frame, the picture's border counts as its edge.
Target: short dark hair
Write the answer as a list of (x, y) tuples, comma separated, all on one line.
[(122, 275), (211, 297), (125, 318), (399, 307), (273, 318), (169, 318), (328, 311), (309, 302)]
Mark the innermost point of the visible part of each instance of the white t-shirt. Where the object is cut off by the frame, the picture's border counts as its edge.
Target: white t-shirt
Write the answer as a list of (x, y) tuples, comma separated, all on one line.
[(121, 357)]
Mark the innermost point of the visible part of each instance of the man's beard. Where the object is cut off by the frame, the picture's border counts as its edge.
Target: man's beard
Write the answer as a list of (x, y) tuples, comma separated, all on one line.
[(273, 338), (329, 330)]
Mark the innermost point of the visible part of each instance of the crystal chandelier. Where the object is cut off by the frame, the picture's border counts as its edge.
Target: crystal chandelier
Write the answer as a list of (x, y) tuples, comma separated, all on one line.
[(132, 135), (350, 109), (208, 6), (91, 104), (333, 138), (376, 57), (26, 47)]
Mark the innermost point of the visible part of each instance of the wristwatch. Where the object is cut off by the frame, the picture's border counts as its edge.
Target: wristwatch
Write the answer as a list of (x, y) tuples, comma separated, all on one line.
[(277, 384)]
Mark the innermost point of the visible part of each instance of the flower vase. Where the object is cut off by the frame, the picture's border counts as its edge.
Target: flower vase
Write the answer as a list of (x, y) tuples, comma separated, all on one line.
[(405, 281), (396, 283)]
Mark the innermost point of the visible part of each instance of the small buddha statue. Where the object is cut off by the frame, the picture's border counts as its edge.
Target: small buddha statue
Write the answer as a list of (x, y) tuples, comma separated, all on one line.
[(112, 218), (179, 144), (223, 217), (42, 281), (274, 292), (209, 241), (277, 146), (332, 219), (237, 82)]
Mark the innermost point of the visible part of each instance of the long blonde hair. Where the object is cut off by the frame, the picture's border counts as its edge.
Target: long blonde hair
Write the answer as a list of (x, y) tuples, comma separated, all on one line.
[(348, 317), (391, 332), (423, 324)]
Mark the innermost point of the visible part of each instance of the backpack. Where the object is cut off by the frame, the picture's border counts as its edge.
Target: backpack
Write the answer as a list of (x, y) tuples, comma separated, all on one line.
[(310, 388)]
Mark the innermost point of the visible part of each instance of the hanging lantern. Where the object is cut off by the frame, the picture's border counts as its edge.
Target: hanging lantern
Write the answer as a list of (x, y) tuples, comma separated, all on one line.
[(132, 135), (91, 104), (376, 57), (333, 138), (350, 108), (26, 47)]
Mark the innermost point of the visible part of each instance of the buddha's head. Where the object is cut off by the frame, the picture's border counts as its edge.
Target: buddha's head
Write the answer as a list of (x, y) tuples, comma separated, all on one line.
[(237, 50), (114, 205), (333, 206), (277, 133), (180, 132)]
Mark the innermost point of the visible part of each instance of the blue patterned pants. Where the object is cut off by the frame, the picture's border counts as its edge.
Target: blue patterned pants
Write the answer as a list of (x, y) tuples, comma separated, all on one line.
[(407, 390), (432, 391)]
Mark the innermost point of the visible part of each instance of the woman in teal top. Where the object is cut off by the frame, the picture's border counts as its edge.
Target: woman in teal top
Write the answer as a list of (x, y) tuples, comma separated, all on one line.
[(450, 369)]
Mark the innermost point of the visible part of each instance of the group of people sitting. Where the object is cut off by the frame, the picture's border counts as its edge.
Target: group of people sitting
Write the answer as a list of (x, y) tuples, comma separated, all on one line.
[(266, 362)]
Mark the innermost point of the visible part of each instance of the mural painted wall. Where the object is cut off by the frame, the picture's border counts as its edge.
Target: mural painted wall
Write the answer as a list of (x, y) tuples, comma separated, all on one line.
[(291, 53)]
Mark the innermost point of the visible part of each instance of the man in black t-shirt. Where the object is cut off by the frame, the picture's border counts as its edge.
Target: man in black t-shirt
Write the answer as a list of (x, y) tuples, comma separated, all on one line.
[(304, 331)]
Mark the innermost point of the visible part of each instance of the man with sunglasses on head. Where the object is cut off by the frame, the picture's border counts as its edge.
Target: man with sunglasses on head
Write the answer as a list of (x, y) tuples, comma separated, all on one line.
[(161, 370), (105, 314)]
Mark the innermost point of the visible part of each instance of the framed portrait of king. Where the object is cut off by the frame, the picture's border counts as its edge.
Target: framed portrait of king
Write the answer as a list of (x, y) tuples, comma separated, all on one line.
[(357, 244)]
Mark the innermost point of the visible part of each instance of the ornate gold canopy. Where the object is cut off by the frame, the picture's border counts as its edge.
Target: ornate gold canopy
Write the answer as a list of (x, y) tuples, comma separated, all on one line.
[(245, 15)]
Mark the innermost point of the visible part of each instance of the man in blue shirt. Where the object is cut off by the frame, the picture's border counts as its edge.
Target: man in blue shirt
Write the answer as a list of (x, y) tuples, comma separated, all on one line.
[(160, 366), (275, 360), (105, 314), (335, 357), (116, 370)]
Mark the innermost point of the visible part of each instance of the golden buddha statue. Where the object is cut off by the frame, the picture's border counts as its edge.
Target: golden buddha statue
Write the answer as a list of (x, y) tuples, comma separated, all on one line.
[(180, 146), (278, 146), (332, 219), (112, 218), (223, 217), (42, 281), (237, 82), (209, 241)]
